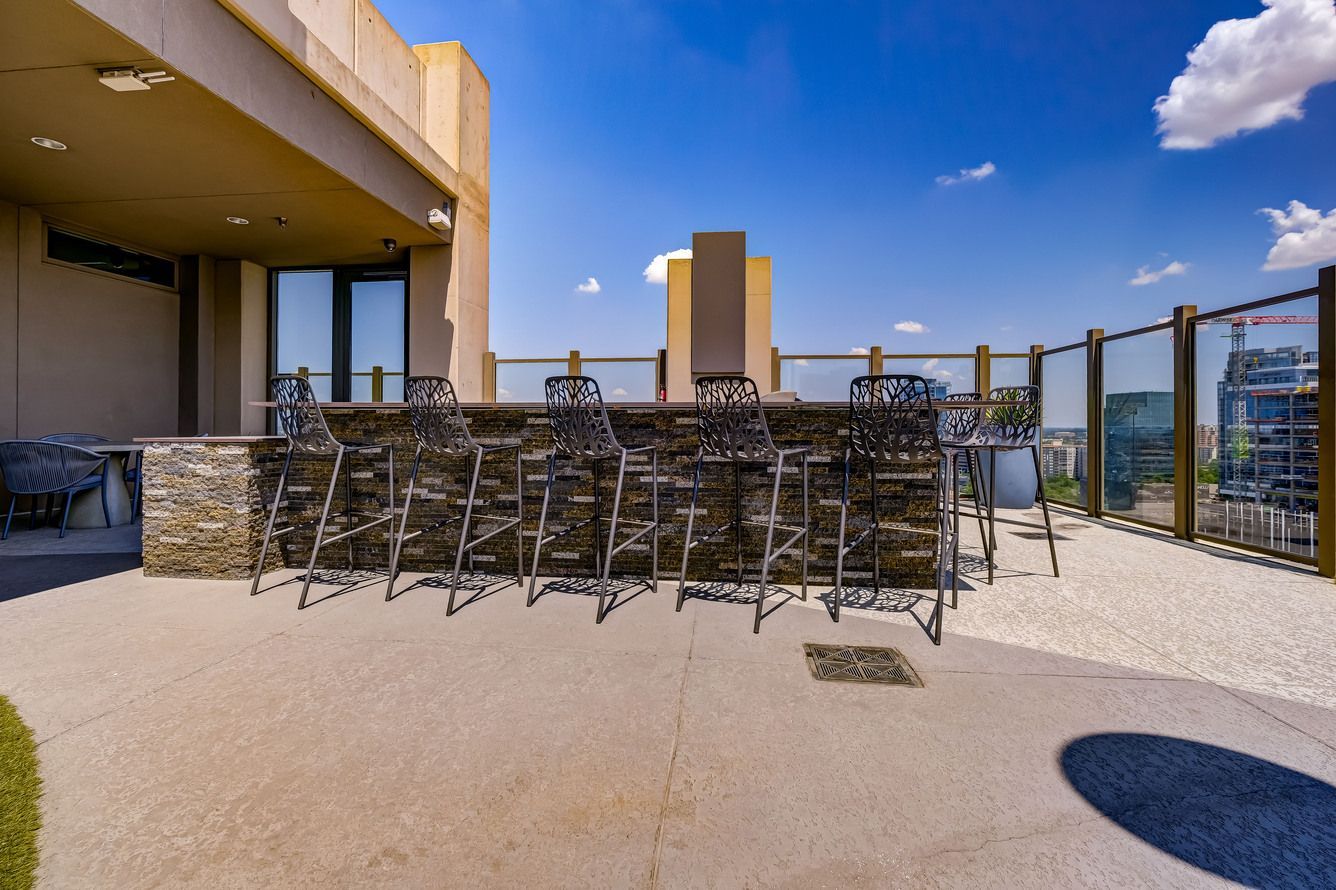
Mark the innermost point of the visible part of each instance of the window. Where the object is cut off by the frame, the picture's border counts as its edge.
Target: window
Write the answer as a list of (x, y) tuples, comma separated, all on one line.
[(345, 329), (89, 253)]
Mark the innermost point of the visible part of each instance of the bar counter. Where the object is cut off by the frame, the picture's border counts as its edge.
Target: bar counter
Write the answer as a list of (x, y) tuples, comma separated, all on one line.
[(206, 499)]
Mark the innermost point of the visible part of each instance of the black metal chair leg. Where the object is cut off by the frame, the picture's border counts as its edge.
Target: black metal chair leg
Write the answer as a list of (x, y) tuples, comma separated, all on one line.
[(737, 516), (1043, 502), (46, 520), (598, 518), (612, 539), (654, 515), (320, 528), (992, 501), (348, 503), (691, 519), (519, 515), (106, 510), (269, 528), (807, 528), (876, 528), (9, 517), (976, 482), (839, 549), (542, 518), (955, 529), (65, 514), (464, 533), (398, 541), (769, 544)]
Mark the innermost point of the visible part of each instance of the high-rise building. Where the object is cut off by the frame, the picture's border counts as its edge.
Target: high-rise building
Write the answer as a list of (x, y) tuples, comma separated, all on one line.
[(1273, 459)]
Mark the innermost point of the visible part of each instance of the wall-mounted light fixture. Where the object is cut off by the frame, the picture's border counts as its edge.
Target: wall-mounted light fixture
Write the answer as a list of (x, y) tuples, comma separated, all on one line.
[(125, 80), (439, 219)]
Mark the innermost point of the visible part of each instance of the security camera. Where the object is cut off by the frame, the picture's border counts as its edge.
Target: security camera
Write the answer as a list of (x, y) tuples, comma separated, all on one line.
[(390, 245), (438, 219)]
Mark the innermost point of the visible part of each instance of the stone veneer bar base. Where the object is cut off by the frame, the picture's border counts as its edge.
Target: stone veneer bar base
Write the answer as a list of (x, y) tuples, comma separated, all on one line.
[(205, 501)]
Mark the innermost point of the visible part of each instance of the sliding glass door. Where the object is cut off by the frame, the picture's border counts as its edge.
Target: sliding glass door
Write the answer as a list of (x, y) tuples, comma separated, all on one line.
[(344, 328)]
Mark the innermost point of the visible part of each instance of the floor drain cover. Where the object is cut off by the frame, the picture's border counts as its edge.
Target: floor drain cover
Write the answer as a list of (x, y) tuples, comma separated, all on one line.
[(862, 664)]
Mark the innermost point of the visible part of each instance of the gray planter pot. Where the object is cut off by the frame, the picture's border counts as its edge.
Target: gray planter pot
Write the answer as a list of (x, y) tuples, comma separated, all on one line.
[(1017, 485)]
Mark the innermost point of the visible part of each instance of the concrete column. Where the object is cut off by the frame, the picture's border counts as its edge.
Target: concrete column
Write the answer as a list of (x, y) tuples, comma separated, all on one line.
[(241, 347), (757, 335), (195, 389), (9, 320), (680, 387), (456, 110)]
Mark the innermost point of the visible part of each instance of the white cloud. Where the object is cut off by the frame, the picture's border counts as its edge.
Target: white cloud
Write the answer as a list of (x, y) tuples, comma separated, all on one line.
[(657, 270), (503, 392), (801, 362), (859, 350), (1303, 236), (1164, 318), (969, 174), (619, 391), (1248, 74), (1145, 275), (930, 364), (911, 327), (590, 286)]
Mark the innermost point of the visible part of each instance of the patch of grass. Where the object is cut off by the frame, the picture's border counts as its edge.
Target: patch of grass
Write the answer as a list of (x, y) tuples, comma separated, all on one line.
[(20, 786)]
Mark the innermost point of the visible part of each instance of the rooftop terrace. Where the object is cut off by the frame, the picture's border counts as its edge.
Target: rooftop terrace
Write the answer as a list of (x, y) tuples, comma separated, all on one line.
[(1158, 716)]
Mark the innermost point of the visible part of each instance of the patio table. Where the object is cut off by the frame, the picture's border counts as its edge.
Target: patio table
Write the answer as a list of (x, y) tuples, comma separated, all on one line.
[(86, 511)]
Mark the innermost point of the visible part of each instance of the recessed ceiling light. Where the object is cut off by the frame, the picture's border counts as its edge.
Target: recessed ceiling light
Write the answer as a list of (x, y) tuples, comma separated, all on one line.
[(45, 142), (238, 220)]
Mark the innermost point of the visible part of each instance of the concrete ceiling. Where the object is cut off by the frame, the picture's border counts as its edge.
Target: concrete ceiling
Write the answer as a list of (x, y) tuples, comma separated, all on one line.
[(164, 168)]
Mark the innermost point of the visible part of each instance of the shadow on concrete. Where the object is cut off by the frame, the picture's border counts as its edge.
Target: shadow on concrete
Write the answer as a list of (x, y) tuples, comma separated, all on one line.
[(24, 575), (618, 588), (1245, 819), (473, 586)]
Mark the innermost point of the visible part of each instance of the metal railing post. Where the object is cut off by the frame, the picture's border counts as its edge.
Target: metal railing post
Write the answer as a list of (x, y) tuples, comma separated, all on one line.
[(1326, 422), (1094, 423), (661, 375), (489, 376), (774, 369), (303, 371), (377, 383), (874, 361), (982, 370), (1185, 427), (573, 363), (1036, 350)]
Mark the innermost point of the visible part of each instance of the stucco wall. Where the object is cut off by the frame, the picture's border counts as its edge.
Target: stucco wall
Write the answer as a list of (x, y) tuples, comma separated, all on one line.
[(95, 353)]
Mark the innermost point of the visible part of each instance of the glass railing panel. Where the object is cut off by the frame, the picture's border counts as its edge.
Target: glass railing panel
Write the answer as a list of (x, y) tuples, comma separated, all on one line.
[(624, 381), (945, 375), (523, 381), (1008, 371), (818, 379), (1256, 427), (1139, 427), (1065, 445)]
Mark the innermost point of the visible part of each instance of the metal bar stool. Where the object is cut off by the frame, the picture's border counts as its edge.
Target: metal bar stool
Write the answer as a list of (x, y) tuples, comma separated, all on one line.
[(732, 426), (891, 420), (441, 430), (1010, 428), (304, 425), (957, 428), (580, 429)]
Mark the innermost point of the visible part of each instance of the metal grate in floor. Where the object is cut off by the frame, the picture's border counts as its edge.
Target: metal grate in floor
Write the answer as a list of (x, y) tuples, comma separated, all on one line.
[(860, 664)]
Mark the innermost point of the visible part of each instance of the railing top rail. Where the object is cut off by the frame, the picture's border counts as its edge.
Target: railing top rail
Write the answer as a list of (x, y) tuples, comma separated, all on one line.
[(645, 358), (1067, 348), (532, 361), (922, 355), (861, 356), (1257, 304), (1024, 355), (1148, 329)]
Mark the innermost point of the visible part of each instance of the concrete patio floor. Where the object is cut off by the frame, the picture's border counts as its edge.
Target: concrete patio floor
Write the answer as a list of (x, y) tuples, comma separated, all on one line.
[(1158, 716)]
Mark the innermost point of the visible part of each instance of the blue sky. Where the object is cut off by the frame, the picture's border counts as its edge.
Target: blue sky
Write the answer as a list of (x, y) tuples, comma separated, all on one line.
[(619, 128)]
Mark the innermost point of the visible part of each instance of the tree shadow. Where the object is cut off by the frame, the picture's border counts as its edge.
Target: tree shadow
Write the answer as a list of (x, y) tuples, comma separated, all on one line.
[(1245, 819)]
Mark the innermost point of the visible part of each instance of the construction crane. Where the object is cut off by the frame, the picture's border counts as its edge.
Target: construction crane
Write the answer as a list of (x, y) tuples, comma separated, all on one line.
[(1237, 369)]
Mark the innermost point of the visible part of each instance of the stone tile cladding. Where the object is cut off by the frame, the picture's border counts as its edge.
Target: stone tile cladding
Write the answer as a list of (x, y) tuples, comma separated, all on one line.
[(205, 504)]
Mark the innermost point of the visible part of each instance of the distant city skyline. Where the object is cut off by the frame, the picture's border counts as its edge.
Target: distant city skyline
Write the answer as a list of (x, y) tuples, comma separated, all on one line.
[(927, 177)]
